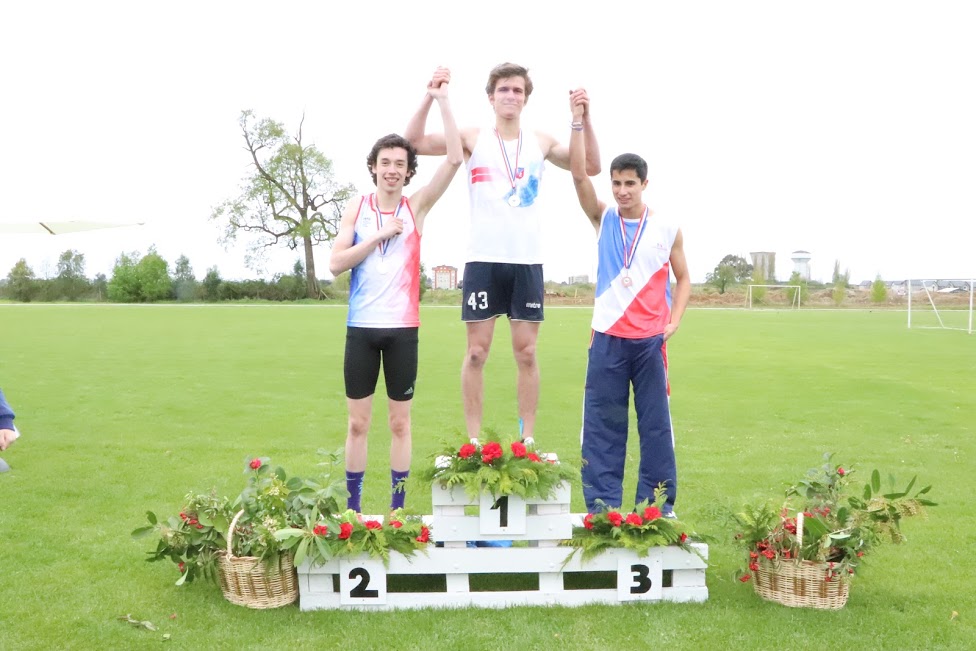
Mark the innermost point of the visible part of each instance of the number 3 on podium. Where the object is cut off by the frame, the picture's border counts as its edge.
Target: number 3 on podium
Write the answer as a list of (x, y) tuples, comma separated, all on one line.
[(640, 579)]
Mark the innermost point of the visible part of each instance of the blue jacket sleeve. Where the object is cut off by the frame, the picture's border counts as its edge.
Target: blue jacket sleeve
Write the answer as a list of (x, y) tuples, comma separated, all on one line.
[(6, 413)]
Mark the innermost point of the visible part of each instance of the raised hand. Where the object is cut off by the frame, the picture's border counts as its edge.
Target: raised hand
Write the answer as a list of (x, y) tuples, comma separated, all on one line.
[(579, 103), (437, 86)]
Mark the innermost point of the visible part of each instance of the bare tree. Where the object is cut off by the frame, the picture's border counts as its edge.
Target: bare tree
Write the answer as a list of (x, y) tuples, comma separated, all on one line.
[(291, 197)]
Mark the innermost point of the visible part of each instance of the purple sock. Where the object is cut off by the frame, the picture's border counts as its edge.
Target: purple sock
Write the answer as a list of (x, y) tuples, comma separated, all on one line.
[(354, 484), (397, 478)]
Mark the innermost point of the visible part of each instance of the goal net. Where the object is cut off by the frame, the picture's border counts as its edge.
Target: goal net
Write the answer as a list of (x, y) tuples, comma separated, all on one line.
[(945, 304), (782, 296)]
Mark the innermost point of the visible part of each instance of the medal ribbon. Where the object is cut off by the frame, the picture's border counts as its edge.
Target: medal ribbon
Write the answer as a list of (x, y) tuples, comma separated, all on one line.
[(385, 244), (629, 254), (508, 164)]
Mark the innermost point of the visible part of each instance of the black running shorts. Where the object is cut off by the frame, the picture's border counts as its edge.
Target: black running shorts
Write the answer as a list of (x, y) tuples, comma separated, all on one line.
[(366, 347), (495, 288)]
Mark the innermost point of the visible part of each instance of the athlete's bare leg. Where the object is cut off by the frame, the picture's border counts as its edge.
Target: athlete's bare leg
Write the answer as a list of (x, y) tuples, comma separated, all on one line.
[(480, 334), (524, 336)]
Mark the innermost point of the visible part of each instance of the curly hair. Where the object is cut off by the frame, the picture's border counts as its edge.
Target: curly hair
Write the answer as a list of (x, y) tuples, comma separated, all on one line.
[(393, 141)]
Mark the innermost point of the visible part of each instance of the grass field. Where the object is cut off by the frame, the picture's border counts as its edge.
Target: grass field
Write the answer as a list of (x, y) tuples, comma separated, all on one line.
[(127, 408)]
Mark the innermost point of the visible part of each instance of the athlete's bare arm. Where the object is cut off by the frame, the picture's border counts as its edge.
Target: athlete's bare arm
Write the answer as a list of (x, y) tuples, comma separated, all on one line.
[(592, 207), (558, 154), (435, 144), (423, 200), (345, 255), (679, 267)]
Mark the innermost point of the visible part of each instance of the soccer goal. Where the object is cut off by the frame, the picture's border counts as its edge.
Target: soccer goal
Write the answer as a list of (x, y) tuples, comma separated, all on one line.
[(773, 296), (942, 304)]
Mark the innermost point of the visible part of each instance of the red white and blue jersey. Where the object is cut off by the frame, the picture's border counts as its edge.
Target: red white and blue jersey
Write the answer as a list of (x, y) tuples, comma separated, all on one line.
[(384, 291), (642, 308), (503, 228)]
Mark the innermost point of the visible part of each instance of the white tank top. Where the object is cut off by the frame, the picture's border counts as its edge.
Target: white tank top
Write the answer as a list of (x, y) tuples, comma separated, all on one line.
[(505, 221), (384, 291)]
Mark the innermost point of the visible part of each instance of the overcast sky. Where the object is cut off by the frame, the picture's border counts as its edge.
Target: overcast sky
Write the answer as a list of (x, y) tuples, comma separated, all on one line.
[(844, 128)]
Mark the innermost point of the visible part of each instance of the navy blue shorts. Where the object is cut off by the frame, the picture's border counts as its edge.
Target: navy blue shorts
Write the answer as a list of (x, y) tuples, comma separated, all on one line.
[(495, 288), (366, 347)]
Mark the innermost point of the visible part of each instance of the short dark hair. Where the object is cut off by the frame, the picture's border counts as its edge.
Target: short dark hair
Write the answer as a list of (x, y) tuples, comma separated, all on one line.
[(630, 162), (506, 70), (393, 141)]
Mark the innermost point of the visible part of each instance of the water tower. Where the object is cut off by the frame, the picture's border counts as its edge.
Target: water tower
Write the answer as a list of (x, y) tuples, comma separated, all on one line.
[(764, 265), (801, 264)]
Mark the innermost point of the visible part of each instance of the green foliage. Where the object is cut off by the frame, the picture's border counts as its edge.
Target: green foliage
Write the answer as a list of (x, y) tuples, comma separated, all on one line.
[(350, 535), (879, 291), (124, 287), (796, 279), (512, 469), (290, 197), (20, 282), (341, 282), (211, 284), (270, 502), (730, 270), (823, 521), (639, 530), (139, 282)]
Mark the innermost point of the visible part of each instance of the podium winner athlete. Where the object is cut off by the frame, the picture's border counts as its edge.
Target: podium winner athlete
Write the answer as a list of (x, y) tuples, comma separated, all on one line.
[(379, 239), (503, 273), (634, 314)]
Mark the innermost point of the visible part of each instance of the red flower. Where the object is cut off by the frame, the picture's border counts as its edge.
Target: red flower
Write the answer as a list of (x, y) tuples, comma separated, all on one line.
[(754, 567), (182, 516), (373, 524), (841, 472), (745, 577), (518, 449), (634, 519), (199, 526), (807, 514), (255, 464), (396, 524), (753, 555), (860, 554), (424, 534), (652, 513), (615, 518), (491, 451), (182, 567), (467, 450), (534, 457), (320, 530), (683, 537), (786, 553), (345, 530), (588, 521), (770, 554)]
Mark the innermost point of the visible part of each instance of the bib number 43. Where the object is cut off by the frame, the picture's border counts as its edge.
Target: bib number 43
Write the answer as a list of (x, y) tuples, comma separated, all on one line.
[(478, 300)]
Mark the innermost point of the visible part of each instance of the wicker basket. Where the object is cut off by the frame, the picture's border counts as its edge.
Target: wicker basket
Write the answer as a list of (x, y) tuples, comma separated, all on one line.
[(799, 584), (253, 582)]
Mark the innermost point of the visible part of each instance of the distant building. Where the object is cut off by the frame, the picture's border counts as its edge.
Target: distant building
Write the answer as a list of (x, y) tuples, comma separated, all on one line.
[(445, 277), (578, 280), (801, 264), (764, 265)]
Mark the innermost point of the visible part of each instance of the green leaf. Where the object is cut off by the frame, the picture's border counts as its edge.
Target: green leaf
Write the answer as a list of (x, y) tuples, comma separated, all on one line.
[(876, 480), (301, 552), (142, 532), (151, 517)]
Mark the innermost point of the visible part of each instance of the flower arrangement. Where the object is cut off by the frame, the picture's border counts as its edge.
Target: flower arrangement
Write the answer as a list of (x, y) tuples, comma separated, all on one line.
[(270, 501), (823, 521), (350, 534), (639, 530), (510, 469)]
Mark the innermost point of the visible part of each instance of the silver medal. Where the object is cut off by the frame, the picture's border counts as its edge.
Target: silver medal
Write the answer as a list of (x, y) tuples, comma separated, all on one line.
[(513, 201), (381, 265), (626, 281)]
